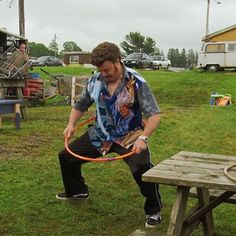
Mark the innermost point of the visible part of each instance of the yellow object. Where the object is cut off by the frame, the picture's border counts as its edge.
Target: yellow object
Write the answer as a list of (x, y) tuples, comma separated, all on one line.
[(226, 100)]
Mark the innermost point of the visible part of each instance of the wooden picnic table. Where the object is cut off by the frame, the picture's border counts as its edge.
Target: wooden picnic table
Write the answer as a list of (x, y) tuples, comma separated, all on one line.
[(191, 169)]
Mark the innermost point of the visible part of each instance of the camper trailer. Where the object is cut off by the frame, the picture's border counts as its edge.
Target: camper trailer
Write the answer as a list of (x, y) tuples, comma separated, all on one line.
[(215, 56)]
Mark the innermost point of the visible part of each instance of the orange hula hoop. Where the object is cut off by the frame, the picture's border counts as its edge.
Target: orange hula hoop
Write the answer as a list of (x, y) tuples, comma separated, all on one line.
[(99, 159)]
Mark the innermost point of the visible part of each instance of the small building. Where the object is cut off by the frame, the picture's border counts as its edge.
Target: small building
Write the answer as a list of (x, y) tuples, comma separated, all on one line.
[(77, 57), (226, 34)]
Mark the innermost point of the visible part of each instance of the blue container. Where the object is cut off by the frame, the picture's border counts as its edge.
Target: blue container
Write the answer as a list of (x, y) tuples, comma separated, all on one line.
[(212, 100), (34, 75)]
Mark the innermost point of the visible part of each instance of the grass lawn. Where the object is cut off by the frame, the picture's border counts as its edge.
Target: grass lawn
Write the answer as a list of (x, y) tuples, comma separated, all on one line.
[(30, 175)]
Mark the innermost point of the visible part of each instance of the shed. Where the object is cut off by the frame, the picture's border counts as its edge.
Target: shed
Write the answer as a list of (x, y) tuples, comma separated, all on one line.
[(226, 34), (77, 57)]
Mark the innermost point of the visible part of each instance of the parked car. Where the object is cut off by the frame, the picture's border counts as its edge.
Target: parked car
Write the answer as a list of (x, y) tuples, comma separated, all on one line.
[(160, 62), (47, 61), (138, 60)]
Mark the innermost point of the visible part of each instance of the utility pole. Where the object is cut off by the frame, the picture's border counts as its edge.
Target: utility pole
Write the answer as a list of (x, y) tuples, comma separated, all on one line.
[(207, 17), (21, 18)]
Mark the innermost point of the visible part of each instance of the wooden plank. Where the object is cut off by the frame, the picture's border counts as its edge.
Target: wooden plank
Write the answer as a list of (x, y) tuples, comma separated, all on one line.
[(178, 211), (183, 173), (205, 173), (214, 193), (208, 207), (205, 155), (207, 219), (204, 165), (208, 160), (17, 116), (35, 89), (186, 179), (35, 81), (187, 229), (34, 85), (172, 178), (186, 169)]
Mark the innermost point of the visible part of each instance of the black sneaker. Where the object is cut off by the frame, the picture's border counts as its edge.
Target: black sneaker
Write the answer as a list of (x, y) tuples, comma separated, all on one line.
[(78, 196), (153, 220)]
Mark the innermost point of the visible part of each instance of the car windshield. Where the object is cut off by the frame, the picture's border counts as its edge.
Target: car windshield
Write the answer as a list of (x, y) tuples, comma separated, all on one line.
[(42, 58), (136, 56)]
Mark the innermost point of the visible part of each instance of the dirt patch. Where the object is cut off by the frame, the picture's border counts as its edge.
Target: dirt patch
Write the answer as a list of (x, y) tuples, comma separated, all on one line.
[(25, 147)]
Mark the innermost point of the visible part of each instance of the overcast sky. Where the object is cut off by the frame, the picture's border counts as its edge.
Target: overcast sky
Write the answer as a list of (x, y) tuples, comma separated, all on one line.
[(171, 23)]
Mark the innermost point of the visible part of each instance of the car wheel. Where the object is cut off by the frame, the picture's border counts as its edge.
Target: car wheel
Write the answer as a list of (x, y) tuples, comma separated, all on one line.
[(212, 68), (140, 66)]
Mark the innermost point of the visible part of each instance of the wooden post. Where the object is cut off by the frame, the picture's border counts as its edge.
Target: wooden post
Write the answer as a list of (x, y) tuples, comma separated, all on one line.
[(17, 115), (178, 211), (207, 220), (21, 18), (73, 91)]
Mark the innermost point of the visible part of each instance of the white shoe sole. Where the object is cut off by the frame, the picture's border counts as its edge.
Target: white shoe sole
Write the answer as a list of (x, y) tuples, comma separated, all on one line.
[(73, 198), (147, 226)]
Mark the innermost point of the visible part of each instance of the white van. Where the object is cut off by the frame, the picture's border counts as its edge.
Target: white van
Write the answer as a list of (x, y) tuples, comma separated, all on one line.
[(216, 56)]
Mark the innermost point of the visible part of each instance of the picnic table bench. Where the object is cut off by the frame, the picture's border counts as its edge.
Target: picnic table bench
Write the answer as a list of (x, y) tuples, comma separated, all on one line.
[(11, 107), (202, 171), (213, 193)]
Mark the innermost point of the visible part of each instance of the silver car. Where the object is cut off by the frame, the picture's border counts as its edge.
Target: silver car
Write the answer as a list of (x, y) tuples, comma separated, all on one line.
[(159, 62), (47, 61)]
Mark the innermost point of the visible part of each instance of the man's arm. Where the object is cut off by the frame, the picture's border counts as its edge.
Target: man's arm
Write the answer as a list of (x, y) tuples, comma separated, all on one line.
[(151, 125), (75, 115), (151, 110)]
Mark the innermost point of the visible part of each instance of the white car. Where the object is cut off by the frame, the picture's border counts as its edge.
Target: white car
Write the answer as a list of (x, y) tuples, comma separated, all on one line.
[(159, 62)]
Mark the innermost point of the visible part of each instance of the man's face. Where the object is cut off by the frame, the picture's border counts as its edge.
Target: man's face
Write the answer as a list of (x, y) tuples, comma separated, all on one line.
[(110, 70), (22, 47)]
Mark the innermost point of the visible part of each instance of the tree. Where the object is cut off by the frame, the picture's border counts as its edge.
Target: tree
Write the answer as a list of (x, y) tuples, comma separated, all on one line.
[(38, 50), (70, 46), (53, 46), (149, 45), (173, 55), (135, 42), (191, 59), (182, 58)]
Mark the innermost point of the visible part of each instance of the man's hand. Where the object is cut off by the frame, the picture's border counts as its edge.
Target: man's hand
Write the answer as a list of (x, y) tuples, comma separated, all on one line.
[(68, 132), (139, 146)]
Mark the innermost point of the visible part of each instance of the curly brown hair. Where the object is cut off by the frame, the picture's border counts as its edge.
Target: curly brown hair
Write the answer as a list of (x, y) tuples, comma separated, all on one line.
[(105, 52)]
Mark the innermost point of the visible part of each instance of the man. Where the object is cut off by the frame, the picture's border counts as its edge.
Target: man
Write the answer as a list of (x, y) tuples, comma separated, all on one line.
[(20, 57), (121, 96)]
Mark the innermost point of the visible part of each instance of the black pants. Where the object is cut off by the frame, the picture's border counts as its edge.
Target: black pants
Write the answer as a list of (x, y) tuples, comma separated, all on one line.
[(138, 164)]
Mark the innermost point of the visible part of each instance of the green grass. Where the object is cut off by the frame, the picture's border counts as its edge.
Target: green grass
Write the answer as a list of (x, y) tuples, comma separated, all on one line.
[(30, 175)]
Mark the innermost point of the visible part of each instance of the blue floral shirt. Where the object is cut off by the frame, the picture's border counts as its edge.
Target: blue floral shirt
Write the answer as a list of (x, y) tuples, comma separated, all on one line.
[(119, 114)]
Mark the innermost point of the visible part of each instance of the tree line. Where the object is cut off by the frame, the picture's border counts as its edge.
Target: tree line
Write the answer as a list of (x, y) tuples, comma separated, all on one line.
[(133, 42)]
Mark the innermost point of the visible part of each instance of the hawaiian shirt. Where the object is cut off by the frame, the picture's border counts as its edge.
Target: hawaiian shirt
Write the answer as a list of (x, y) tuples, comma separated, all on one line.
[(119, 114)]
